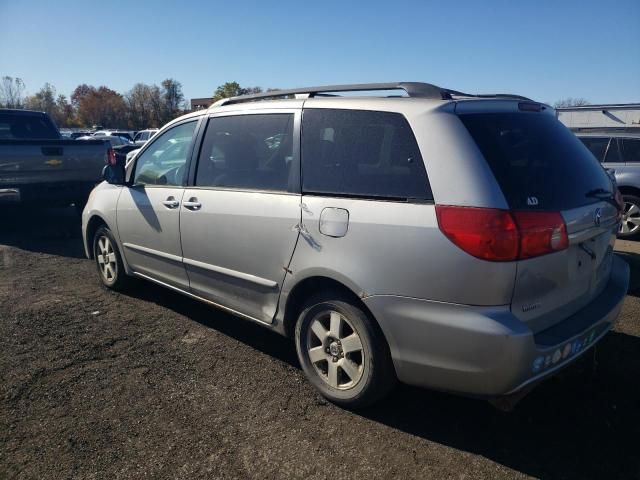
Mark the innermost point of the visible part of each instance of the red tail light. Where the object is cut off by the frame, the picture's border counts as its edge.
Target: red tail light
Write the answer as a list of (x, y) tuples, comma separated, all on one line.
[(111, 157), (501, 235), (485, 233), (540, 233)]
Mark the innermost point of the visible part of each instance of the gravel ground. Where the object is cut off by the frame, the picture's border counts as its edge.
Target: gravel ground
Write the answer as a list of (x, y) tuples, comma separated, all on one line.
[(95, 384)]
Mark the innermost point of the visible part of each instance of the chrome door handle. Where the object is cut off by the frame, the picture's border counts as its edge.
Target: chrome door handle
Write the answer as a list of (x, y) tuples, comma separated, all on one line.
[(192, 204), (171, 202)]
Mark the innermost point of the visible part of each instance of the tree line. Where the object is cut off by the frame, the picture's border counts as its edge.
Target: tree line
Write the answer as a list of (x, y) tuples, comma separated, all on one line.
[(141, 107), (144, 106)]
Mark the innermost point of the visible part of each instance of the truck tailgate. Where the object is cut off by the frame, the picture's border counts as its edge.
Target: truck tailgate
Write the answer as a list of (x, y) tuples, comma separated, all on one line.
[(26, 162)]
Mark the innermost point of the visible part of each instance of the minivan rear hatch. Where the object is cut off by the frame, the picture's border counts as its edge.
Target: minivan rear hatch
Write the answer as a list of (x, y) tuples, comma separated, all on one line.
[(541, 166)]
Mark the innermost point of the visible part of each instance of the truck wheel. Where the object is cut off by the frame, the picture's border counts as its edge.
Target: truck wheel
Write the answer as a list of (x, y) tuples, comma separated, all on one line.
[(343, 353), (630, 226), (108, 260)]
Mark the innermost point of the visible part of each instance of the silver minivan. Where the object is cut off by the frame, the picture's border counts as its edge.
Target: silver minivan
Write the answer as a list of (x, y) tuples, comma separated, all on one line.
[(452, 241)]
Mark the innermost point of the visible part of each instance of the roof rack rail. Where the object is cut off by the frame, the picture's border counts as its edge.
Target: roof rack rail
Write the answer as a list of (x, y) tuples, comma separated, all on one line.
[(412, 89)]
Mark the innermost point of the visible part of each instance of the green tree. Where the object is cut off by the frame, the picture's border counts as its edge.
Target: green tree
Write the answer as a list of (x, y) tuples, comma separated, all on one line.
[(44, 100), (229, 89), (172, 99), (233, 89)]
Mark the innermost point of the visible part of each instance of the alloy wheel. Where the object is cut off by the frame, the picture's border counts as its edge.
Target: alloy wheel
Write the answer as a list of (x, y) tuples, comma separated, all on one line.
[(106, 258), (630, 219), (335, 350)]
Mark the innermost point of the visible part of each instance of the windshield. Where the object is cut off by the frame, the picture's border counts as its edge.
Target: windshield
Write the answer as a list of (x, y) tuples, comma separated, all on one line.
[(538, 163)]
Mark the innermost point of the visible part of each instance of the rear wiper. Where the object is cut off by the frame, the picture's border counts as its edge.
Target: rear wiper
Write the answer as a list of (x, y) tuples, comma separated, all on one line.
[(605, 195)]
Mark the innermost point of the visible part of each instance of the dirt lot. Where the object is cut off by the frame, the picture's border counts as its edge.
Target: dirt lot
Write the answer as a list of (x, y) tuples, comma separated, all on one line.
[(153, 385)]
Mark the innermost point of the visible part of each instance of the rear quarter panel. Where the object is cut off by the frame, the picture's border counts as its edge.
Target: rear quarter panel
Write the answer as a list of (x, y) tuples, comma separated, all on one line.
[(393, 248)]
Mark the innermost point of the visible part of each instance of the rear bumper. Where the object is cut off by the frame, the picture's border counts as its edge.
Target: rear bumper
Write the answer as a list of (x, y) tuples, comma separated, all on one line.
[(485, 350)]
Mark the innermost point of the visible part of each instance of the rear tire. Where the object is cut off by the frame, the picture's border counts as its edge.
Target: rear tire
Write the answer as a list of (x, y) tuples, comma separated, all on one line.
[(343, 352), (630, 226), (108, 260)]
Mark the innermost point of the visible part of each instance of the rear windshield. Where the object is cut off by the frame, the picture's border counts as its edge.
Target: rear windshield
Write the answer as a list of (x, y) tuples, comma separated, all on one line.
[(17, 126), (538, 163)]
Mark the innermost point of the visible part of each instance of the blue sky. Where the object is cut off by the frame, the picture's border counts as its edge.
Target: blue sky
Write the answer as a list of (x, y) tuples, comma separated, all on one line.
[(543, 49)]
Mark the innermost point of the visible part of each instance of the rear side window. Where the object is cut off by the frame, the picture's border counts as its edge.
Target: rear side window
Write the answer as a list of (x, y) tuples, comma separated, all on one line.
[(630, 150), (538, 163), (597, 146), (26, 127), (361, 153), (253, 152)]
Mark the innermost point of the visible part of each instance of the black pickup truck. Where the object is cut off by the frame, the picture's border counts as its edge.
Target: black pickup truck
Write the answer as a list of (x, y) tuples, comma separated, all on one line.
[(38, 167)]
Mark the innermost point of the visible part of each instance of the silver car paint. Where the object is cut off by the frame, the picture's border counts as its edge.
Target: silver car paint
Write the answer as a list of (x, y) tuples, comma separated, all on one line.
[(447, 326), (482, 350), (395, 228), (220, 242), (150, 233)]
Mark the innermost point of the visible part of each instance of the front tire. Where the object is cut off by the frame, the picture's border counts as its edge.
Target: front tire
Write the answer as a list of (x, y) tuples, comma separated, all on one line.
[(630, 225), (108, 260), (343, 352)]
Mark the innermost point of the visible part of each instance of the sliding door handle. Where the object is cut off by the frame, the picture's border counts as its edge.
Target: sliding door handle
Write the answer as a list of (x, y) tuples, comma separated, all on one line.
[(192, 204)]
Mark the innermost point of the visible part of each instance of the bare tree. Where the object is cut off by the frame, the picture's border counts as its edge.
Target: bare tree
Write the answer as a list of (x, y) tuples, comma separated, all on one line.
[(144, 104), (11, 92), (571, 102)]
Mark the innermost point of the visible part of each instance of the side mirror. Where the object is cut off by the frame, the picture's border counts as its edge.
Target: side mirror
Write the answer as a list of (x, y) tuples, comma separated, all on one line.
[(114, 171), (113, 174)]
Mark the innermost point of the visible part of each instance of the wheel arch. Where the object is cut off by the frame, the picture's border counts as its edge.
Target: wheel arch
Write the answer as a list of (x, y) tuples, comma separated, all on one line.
[(96, 221), (92, 227), (629, 190), (312, 285)]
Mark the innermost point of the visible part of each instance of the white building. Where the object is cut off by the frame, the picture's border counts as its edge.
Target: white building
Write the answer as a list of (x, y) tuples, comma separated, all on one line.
[(623, 117)]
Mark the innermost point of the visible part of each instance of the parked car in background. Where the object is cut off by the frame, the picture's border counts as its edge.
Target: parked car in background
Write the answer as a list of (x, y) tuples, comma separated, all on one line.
[(144, 135), (112, 140), (38, 167), (78, 134), (434, 239), (620, 154), (109, 133)]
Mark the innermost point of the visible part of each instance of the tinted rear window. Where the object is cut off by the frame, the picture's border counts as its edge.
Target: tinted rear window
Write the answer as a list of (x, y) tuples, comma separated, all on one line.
[(361, 153), (538, 163), (26, 127)]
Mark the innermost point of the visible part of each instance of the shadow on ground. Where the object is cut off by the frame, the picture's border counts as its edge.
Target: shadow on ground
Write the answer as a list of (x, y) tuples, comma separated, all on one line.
[(584, 423), (55, 231)]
